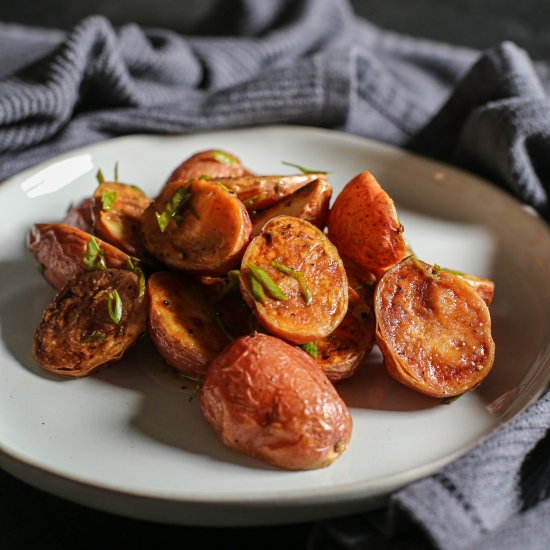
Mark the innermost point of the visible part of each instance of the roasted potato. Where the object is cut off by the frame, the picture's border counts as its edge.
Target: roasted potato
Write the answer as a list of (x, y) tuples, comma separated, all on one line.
[(433, 329), (64, 251), (206, 232), (340, 353), (484, 287), (269, 399), (261, 192), (81, 215), (118, 209), (361, 280), (182, 324), (294, 281), (310, 203), (364, 226), (91, 322), (212, 163)]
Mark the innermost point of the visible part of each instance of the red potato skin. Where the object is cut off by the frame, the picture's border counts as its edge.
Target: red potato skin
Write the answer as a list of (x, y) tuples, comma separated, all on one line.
[(180, 323), (60, 249), (81, 215), (204, 163), (268, 399), (310, 202), (61, 341), (433, 331), (363, 225), (210, 245)]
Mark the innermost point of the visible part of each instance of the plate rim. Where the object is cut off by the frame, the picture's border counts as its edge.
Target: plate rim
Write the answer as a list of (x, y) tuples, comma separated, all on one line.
[(356, 490)]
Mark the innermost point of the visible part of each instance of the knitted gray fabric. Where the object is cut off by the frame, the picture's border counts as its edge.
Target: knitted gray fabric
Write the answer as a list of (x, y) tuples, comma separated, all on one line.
[(312, 62)]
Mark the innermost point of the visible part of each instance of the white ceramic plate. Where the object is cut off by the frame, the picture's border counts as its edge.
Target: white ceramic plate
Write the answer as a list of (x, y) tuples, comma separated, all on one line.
[(128, 440)]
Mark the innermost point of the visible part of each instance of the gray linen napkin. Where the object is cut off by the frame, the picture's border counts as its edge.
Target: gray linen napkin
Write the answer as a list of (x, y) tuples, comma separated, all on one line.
[(313, 62)]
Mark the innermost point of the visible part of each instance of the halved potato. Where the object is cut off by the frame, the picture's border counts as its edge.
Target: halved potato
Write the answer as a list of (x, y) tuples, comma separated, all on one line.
[(118, 210), (310, 202), (433, 329), (182, 324), (62, 251), (207, 235), (91, 322), (81, 215), (269, 399), (306, 269), (364, 226)]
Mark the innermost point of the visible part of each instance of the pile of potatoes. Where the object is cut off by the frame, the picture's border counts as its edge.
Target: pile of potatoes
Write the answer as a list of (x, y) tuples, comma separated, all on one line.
[(254, 287)]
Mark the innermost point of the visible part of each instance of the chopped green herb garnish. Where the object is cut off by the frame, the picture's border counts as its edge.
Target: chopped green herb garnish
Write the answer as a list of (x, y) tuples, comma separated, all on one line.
[(304, 170), (139, 272), (225, 188), (95, 336), (311, 348), (116, 170), (266, 281), (257, 289), (224, 158), (94, 257), (299, 276), (99, 176), (256, 198), (108, 198), (195, 391), (449, 400), (136, 188), (114, 306), (181, 198), (232, 283)]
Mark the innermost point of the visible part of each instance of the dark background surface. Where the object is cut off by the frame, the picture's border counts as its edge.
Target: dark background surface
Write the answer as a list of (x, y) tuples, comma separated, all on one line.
[(30, 518)]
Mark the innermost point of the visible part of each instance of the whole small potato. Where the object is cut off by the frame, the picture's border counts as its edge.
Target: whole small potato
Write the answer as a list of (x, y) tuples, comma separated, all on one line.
[(269, 399)]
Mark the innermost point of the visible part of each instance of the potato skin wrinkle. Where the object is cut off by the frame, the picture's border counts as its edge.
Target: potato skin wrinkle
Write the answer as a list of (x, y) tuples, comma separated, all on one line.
[(299, 245), (181, 324), (268, 399), (363, 224), (433, 330), (60, 249), (77, 335), (120, 224), (211, 237)]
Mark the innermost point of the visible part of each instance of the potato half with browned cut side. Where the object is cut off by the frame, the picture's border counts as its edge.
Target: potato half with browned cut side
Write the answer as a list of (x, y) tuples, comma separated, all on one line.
[(62, 251), (364, 226), (310, 203), (306, 268), (213, 163), (268, 399), (91, 322), (261, 192), (361, 280), (433, 329), (182, 324), (207, 235), (118, 210), (340, 353)]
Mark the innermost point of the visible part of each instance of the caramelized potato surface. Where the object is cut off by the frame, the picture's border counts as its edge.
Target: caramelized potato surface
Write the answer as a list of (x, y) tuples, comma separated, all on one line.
[(310, 203), (118, 210), (340, 353), (433, 329), (268, 399), (60, 250), (364, 226), (300, 246), (182, 324), (77, 335), (211, 236)]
